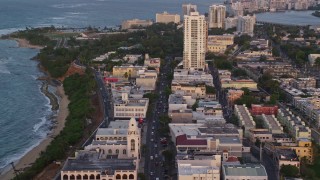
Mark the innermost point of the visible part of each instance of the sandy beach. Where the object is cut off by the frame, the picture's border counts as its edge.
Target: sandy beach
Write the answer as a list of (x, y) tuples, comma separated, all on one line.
[(32, 155), (23, 43)]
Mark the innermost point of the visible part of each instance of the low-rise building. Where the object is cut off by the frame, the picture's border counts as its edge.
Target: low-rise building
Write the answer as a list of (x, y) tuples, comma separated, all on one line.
[(214, 138), (191, 76), (147, 79), (126, 107), (251, 55), (135, 23), (295, 126), (244, 171), (271, 123), (113, 154), (177, 102), (126, 71), (202, 167), (181, 116), (238, 83), (166, 18), (304, 83), (152, 62), (260, 43), (132, 58), (195, 90), (245, 118), (257, 109), (219, 43), (233, 95), (310, 107), (263, 135)]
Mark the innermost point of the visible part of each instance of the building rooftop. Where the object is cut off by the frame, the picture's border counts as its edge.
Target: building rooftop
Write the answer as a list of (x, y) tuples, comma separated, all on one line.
[(246, 116), (188, 169), (89, 160), (273, 122), (244, 170)]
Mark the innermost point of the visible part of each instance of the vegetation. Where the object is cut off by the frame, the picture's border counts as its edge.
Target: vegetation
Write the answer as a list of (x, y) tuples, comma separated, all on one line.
[(35, 36), (164, 122), (210, 89), (220, 31), (78, 88), (289, 171), (220, 62), (195, 105), (239, 73)]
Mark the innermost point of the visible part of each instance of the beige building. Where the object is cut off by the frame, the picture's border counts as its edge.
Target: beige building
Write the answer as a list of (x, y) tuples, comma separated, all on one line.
[(181, 116), (113, 154), (219, 43), (233, 95), (147, 79), (194, 90), (130, 107), (190, 76), (217, 16), (195, 41), (201, 167), (263, 135), (238, 84), (135, 23), (126, 70), (167, 18), (304, 83)]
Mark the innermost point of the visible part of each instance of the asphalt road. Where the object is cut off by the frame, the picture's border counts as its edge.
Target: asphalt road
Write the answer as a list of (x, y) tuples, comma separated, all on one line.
[(153, 157)]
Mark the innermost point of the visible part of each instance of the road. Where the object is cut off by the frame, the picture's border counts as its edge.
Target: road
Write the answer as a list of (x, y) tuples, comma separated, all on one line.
[(153, 157)]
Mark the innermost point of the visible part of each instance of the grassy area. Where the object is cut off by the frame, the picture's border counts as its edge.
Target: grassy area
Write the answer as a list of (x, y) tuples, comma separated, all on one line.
[(57, 35)]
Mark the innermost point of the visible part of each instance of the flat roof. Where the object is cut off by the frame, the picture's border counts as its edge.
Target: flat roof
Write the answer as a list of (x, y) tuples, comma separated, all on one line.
[(273, 122), (89, 160), (188, 169), (244, 170), (245, 116)]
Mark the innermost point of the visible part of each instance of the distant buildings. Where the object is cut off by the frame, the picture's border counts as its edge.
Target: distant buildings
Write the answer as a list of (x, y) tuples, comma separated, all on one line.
[(195, 40), (135, 23), (188, 8), (126, 71), (231, 22), (246, 24), (217, 15), (167, 18), (257, 109)]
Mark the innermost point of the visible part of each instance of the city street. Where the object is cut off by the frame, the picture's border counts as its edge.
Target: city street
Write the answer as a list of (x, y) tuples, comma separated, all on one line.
[(153, 157)]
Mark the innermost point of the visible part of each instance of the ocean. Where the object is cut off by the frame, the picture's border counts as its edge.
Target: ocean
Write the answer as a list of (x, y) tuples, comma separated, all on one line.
[(24, 110)]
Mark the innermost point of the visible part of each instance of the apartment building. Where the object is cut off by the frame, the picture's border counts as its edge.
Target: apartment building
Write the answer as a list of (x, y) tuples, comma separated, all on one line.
[(217, 15), (188, 8), (191, 76), (310, 107), (271, 123), (304, 83), (258, 109), (246, 24), (194, 41), (238, 83)]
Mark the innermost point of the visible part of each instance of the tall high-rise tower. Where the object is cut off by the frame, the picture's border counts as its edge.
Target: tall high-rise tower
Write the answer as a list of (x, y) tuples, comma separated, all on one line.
[(188, 8), (217, 16), (195, 41)]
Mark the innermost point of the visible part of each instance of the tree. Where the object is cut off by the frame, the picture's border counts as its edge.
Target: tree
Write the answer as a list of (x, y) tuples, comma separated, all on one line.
[(168, 155), (275, 52), (263, 58), (317, 62), (289, 171), (126, 75), (195, 105), (210, 89)]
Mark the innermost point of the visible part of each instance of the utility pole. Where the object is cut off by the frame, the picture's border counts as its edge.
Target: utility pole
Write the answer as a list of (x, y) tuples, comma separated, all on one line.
[(260, 151)]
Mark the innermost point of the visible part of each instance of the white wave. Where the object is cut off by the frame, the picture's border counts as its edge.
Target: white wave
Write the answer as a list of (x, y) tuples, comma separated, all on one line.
[(40, 124), (34, 77), (75, 13), (3, 67), (10, 30), (61, 6), (58, 18)]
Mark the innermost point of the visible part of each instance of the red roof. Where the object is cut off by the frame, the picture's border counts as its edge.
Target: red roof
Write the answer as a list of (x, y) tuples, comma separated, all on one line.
[(182, 140), (232, 159)]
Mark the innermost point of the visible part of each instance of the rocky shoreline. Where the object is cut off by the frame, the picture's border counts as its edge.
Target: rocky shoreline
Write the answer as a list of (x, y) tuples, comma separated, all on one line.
[(54, 102)]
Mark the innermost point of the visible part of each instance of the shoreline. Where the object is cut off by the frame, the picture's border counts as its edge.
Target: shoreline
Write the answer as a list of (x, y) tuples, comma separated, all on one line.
[(23, 43), (58, 124)]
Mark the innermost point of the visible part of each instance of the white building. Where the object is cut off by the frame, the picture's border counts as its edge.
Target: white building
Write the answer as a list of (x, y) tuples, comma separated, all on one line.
[(147, 79), (189, 76), (130, 107), (167, 18), (244, 171), (113, 154), (217, 15), (195, 40), (246, 24), (237, 8), (188, 8), (132, 58), (231, 22), (201, 167)]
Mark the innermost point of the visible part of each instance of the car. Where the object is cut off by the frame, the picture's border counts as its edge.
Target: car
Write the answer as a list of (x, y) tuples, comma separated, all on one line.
[(155, 145), (156, 155), (151, 157), (151, 173), (151, 140), (152, 127), (152, 133)]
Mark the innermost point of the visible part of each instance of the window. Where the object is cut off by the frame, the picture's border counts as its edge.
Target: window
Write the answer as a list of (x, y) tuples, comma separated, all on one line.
[(124, 176), (133, 145), (109, 151), (117, 151), (124, 151)]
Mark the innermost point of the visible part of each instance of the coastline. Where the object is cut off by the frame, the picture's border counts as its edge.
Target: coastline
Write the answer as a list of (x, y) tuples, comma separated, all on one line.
[(23, 43), (58, 125)]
